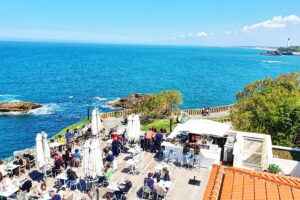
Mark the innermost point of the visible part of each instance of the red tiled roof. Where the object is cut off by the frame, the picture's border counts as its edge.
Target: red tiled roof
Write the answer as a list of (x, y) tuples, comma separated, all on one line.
[(234, 183)]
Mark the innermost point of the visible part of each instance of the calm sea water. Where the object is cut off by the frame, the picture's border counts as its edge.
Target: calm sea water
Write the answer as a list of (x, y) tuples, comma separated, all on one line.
[(67, 78)]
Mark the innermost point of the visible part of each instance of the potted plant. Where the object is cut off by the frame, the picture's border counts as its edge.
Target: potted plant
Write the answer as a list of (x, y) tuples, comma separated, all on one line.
[(273, 168)]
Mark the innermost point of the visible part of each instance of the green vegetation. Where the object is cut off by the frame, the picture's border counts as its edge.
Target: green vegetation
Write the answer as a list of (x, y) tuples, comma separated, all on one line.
[(270, 106), (285, 154), (273, 168), (159, 105), (289, 49), (71, 127), (158, 124)]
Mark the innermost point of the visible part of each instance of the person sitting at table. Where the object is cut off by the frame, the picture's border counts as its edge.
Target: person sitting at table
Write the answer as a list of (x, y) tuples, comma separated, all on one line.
[(72, 176), (76, 133), (11, 181), (28, 155), (186, 149), (18, 161), (67, 157), (124, 188), (89, 195), (75, 158), (68, 136), (149, 181), (52, 144), (58, 164), (115, 146), (54, 196), (60, 139), (2, 169), (110, 157), (108, 172), (115, 136), (42, 190), (165, 174), (160, 190)]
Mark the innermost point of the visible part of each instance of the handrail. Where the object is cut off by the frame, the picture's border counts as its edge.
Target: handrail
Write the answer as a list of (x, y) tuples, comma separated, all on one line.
[(192, 112)]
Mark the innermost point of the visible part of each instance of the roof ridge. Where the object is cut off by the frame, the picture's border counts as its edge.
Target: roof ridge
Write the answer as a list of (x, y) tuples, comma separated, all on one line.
[(262, 177)]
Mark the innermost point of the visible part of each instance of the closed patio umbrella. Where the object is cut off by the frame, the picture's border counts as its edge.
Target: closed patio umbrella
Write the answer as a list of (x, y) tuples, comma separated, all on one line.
[(95, 122), (129, 126), (40, 159), (96, 158), (86, 159), (46, 149), (136, 126), (100, 125)]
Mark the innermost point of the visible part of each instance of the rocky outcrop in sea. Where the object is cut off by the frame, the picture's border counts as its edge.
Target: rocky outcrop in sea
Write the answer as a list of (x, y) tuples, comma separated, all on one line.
[(22, 107), (129, 101)]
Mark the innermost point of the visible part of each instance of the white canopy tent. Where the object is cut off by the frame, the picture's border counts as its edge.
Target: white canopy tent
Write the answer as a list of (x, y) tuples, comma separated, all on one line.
[(201, 127)]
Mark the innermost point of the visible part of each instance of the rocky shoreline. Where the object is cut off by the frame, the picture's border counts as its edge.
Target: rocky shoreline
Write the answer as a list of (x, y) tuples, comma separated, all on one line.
[(23, 107), (129, 101)]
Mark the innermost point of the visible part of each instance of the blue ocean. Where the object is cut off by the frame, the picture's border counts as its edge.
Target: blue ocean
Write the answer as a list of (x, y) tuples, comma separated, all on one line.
[(68, 78)]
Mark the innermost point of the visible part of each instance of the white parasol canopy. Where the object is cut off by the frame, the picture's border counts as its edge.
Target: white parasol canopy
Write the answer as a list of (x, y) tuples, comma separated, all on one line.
[(95, 126), (201, 127), (136, 128), (40, 159), (129, 125), (96, 158), (46, 148), (86, 158)]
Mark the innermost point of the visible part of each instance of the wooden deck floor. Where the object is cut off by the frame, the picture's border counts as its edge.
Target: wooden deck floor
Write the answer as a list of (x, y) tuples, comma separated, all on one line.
[(180, 189)]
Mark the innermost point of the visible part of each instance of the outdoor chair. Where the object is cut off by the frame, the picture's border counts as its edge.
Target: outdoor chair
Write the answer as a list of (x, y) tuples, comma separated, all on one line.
[(187, 160), (197, 162), (22, 168), (74, 184), (150, 193)]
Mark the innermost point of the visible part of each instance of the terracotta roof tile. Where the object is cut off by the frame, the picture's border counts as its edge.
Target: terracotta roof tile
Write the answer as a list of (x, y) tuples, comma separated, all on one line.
[(234, 183)]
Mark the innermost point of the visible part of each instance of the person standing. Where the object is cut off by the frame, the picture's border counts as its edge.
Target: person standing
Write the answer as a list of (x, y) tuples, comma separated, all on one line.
[(148, 137)]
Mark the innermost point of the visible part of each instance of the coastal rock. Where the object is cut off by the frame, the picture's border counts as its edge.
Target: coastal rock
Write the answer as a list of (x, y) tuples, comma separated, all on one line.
[(129, 101), (18, 106)]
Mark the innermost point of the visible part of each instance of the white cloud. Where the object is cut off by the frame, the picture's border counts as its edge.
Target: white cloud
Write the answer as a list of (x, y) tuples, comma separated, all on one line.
[(201, 34), (228, 32), (275, 22), (191, 35)]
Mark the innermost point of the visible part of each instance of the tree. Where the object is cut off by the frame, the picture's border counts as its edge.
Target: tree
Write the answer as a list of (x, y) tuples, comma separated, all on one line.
[(159, 105), (270, 106)]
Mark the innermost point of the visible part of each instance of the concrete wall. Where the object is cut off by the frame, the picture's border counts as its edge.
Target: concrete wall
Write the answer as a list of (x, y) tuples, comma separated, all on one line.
[(290, 167)]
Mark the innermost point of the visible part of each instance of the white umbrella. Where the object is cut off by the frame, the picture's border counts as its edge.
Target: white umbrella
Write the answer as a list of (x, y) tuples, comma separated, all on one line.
[(136, 128), (96, 159), (94, 122), (46, 149), (100, 126), (129, 126), (86, 158), (40, 159)]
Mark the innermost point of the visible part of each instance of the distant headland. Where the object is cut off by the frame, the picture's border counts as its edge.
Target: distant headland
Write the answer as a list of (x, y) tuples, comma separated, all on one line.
[(283, 51)]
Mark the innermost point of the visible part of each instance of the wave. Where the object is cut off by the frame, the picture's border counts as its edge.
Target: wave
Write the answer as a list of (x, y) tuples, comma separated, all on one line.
[(46, 109), (271, 61), (71, 97), (100, 99), (114, 100)]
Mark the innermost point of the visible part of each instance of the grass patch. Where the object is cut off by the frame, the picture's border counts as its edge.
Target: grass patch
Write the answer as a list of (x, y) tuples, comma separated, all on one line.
[(78, 125), (284, 154), (158, 124)]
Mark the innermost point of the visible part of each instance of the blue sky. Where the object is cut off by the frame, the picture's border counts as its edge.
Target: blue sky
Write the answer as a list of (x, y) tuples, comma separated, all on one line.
[(173, 22)]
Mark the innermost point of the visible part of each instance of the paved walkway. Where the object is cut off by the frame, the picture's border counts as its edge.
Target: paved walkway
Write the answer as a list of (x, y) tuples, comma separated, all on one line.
[(212, 115)]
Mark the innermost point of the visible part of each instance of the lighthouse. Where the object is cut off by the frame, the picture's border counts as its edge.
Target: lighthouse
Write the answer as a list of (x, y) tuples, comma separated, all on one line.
[(288, 43)]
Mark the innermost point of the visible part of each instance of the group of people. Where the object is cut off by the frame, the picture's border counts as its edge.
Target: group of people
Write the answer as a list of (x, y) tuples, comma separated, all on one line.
[(152, 139), (154, 181)]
